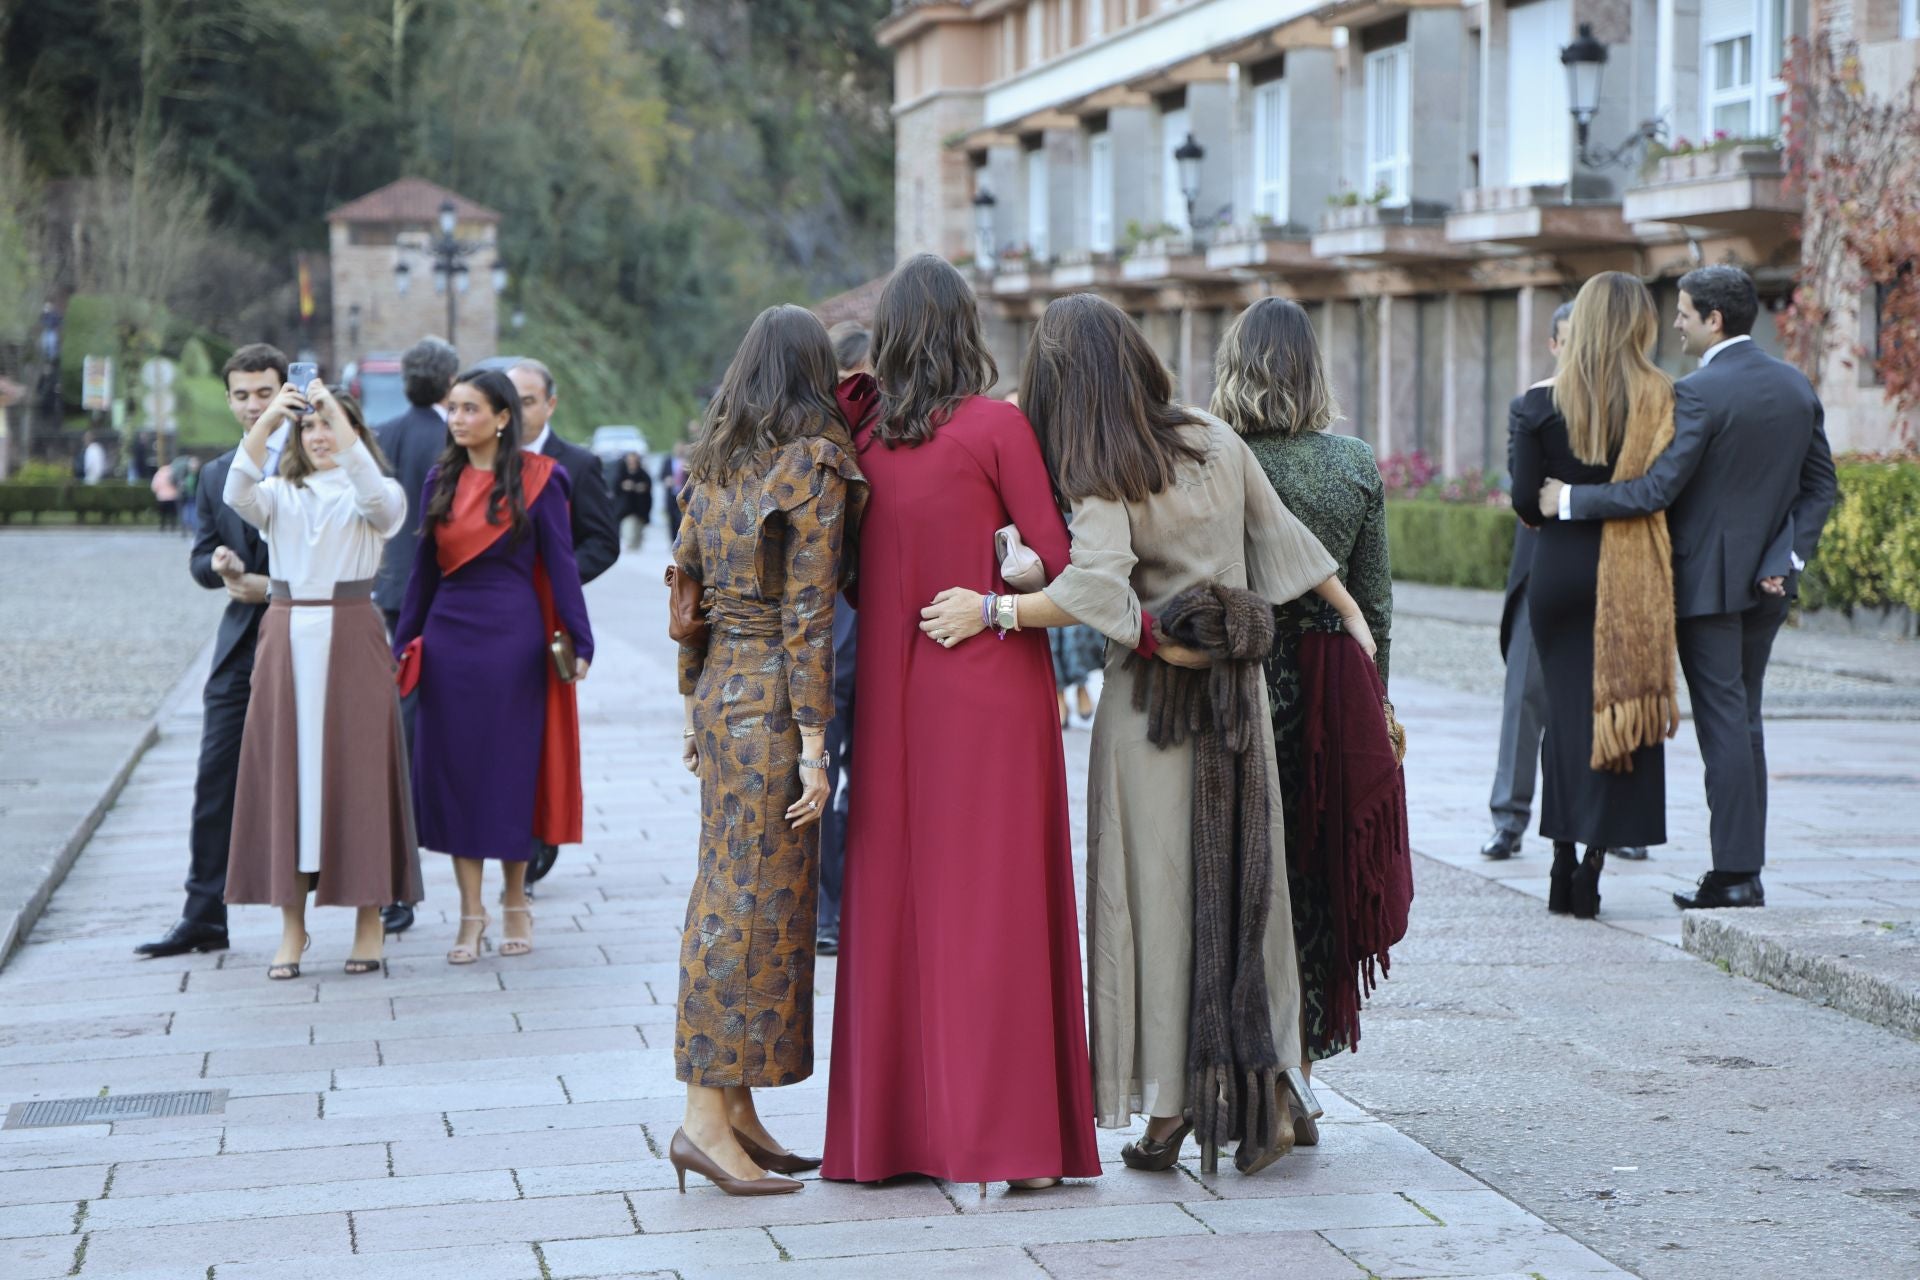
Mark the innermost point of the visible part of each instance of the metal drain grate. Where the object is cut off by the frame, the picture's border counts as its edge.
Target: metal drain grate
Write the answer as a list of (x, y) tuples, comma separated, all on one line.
[(127, 1106)]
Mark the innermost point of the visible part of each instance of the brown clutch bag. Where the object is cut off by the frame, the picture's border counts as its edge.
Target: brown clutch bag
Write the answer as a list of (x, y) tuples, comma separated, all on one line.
[(565, 664), (686, 614), (1020, 568)]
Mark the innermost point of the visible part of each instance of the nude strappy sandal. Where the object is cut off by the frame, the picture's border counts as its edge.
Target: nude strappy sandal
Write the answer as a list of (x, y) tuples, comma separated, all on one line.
[(518, 946), (467, 955)]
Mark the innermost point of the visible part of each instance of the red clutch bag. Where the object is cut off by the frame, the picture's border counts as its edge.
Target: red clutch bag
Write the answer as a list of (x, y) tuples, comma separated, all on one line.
[(408, 676)]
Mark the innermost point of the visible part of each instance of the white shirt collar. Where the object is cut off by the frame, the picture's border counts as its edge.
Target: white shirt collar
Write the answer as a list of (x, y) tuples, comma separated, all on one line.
[(539, 442), (441, 410), (1714, 350)]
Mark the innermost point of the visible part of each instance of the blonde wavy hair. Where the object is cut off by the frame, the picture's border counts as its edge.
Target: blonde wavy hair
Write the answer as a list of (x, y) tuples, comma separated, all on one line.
[(1269, 376), (1607, 378)]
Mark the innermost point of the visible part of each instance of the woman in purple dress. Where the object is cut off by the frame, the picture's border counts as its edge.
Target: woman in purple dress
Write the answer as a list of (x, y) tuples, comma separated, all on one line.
[(496, 748)]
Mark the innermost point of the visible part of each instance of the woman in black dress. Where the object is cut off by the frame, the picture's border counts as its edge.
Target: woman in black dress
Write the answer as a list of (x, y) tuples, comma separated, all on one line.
[(1606, 400)]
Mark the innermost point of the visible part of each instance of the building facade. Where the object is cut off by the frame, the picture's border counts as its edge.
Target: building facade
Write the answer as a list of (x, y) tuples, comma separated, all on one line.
[(373, 311), (1409, 170)]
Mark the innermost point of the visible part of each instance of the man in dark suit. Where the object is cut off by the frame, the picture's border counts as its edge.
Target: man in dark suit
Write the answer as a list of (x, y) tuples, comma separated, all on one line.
[(1523, 703), (228, 554), (1746, 484), (413, 442), (596, 528)]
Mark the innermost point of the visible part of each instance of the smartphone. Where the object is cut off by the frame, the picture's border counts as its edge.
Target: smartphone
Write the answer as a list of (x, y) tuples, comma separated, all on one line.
[(301, 374)]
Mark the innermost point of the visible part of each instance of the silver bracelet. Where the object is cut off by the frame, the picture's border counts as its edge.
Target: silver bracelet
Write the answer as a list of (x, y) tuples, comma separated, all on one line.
[(820, 763)]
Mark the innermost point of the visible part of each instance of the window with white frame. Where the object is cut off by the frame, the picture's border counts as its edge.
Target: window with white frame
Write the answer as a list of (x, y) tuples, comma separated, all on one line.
[(1100, 193), (1173, 199), (1036, 32), (1270, 150), (1910, 19), (1387, 158), (1742, 61), (1096, 19), (1039, 244)]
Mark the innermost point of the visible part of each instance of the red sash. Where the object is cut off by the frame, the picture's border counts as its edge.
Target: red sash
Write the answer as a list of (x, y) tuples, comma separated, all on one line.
[(559, 805)]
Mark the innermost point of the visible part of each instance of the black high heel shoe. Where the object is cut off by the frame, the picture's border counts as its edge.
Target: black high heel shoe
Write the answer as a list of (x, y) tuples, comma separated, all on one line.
[(1584, 893), (1560, 883)]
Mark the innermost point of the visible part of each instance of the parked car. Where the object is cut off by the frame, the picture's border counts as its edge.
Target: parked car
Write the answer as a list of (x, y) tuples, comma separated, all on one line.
[(610, 444), (377, 383)]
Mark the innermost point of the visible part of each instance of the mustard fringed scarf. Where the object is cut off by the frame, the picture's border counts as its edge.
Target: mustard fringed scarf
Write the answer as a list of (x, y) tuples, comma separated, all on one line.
[(1634, 700)]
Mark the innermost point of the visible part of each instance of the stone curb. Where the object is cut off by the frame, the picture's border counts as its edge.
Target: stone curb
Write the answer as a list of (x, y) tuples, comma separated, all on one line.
[(1866, 968), (17, 923)]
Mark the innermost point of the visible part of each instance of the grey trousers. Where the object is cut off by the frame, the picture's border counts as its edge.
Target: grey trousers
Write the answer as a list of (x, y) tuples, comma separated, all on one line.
[(1523, 713), (1724, 656)]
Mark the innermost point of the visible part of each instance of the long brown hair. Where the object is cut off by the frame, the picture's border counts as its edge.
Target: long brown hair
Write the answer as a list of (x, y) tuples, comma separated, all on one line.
[(506, 494), (296, 465), (1269, 376), (778, 389), (1102, 403), (1606, 379), (928, 352)]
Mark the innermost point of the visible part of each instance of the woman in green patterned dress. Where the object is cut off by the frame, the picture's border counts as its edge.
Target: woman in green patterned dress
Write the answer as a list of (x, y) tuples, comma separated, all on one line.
[(1270, 384)]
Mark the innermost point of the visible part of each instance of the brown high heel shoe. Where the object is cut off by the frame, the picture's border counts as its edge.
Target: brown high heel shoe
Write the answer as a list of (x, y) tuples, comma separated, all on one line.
[(1156, 1157), (685, 1157), (774, 1161)]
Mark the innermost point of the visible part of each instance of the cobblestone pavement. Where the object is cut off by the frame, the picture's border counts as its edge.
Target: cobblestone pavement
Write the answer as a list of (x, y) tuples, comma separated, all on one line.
[(111, 619), (504, 1121)]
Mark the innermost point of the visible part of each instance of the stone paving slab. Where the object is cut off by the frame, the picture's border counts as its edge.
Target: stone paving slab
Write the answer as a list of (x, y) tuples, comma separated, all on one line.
[(508, 1119), (1868, 966)]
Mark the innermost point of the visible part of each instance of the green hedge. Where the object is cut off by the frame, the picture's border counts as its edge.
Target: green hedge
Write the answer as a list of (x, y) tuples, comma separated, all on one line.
[(105, 501), (1870, 550), (1449, 543)]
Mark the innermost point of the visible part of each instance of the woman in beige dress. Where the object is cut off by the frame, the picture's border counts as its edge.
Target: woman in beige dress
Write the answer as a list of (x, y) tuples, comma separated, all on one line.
[(1163, 498)]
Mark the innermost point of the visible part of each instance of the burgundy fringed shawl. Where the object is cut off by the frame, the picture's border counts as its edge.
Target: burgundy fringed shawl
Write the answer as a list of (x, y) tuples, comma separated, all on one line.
[(1352, 820)]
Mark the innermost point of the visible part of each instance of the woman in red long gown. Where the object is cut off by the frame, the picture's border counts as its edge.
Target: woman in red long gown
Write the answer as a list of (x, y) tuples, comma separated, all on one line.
[(959, 1032)]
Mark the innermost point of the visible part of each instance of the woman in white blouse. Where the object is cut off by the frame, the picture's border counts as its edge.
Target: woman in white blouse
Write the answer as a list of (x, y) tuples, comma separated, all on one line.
[(323, 804)]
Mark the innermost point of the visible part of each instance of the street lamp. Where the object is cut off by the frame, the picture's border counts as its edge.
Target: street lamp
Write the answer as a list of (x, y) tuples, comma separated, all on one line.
[(447, 256), (983, 248), (1585, 60), (1188, 156)]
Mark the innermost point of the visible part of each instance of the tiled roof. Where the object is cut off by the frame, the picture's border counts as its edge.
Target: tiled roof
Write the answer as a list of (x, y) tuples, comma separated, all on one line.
[(855, 304), (410, 200)]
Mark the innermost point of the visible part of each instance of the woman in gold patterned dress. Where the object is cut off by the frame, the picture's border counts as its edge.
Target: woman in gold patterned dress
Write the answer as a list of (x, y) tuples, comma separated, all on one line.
[(768, 526)]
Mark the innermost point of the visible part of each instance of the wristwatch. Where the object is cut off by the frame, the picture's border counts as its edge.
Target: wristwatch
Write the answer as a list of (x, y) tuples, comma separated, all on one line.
[(1007, 613), (819, 763)]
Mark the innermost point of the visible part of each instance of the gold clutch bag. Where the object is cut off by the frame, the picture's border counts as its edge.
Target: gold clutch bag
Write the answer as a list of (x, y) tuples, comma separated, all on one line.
[(565, 665)]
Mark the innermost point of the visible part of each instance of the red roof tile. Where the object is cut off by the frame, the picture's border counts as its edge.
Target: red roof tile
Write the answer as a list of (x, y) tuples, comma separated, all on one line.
[(410, 200)]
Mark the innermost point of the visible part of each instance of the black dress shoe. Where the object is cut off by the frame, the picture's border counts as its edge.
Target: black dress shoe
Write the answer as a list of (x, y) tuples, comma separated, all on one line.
[(544, 856), (827, 943), (1631, 852), (397, 918), (1502, 845), (185, 936), (1719, 890)]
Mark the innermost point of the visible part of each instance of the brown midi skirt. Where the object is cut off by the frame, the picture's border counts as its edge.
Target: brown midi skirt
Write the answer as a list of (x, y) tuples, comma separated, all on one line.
[(369, 856)]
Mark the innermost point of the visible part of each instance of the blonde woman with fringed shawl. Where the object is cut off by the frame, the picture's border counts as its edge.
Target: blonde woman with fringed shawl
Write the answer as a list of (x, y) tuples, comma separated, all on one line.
[(1601, 594)]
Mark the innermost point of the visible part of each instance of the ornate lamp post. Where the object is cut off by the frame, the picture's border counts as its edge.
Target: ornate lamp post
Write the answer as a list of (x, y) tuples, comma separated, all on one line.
[(984, 257), (1188, 156), (1585, 60), (447, 256)]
